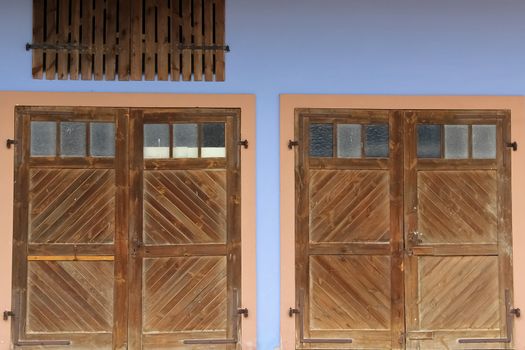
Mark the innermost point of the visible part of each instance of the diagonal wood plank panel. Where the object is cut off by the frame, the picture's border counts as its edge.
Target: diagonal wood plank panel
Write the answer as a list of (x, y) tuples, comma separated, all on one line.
[(459, 292), (350, 292), (184, 206), (185, 294), (349, 206), (72, 206), (458, 206), (70, 297)]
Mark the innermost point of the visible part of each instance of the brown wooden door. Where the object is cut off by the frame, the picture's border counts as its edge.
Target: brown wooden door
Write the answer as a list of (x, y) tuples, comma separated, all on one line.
[(127, 229), (457, 234), (69, 188), (185, 264), (348, 235)]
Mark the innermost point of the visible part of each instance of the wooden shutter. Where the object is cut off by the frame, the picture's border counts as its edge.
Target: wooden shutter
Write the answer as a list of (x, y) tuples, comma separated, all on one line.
[(129, 39), (348, 233), (458, 268), (186, 256), (68, 287)]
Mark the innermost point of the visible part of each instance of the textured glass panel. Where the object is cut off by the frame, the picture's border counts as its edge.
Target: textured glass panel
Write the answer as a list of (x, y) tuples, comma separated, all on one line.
[(321, 140), (185, 141), (429, 141), (484, 141), (213, 144), (456, 141), (72, 139), (156, 141), (43, 139), (102, 139), (376, 140), (349, 141)]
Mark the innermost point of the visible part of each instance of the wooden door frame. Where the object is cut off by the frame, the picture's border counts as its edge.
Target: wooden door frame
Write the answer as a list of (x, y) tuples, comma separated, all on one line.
[(246, 103), (288, 106)]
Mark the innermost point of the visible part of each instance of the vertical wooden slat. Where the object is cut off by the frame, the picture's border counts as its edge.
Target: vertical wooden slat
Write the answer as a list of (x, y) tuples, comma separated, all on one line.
[(136, 40), (186, 39), (75, 39), (99, 40), (38, 38), (124, 39), (175, 41), (208, 40), (87, 39), (219, 39), (197, 34), (150, 51), (111, 38), (51, 38), (63, 35), (162, 39)]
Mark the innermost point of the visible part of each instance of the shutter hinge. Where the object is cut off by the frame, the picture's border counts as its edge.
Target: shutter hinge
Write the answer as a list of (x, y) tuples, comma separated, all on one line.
[(243, 311), (292, 144), (10, 142), (8, 314), (513, 145), (292, 311), (243, 143)]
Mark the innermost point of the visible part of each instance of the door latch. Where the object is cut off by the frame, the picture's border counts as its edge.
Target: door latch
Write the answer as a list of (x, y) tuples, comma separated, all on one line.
[(8, 314)]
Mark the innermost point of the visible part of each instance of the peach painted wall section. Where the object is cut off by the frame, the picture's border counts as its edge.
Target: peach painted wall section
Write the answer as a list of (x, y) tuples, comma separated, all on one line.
[(290, 102), (8, 100)]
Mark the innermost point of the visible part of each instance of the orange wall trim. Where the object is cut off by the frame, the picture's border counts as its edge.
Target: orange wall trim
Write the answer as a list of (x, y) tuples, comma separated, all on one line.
[(8, 101), (288, 103)]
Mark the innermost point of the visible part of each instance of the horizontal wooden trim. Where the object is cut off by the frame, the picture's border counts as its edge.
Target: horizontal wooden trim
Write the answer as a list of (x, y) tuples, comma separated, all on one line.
[(456, 249), (71, 249), (70, 258), (72, 162), (73, 116), (349, 164), (185, 164), (457, 164), (349, 248), (159, 251), (194, 115), (420, 335)]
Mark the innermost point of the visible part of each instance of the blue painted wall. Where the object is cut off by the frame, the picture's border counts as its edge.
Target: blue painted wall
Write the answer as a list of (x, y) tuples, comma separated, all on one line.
[(331, 46)]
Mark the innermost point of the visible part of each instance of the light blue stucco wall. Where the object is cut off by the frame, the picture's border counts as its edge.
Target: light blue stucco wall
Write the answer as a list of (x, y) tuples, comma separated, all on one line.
[(331, 46)]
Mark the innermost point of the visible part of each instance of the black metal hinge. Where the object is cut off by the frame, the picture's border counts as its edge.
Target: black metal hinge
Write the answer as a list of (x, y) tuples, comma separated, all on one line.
[(292, 311), (10, 142), (8, 314), (243, 311), (243, 143), (513, 145), (292, 144)]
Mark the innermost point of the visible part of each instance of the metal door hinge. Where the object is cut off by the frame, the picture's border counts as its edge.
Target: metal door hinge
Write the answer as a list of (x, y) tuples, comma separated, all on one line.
[(10, 142), (513, 145), (516, 312), (292, 311), (292, 144), (243, 311), (243, 143), (8, 314)]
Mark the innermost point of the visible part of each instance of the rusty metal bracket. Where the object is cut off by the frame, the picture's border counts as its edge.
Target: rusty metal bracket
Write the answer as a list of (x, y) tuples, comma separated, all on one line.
[(292, 311), (243, 143), (292, 144), (511, 313), (10, 142), (8, 314), (243, 311), (513, 145)]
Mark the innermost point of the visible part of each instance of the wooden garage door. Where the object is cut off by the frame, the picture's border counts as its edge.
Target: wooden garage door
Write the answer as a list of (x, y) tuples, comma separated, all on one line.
[(127, 229), (458, 237), (348, 235), (403, 236)]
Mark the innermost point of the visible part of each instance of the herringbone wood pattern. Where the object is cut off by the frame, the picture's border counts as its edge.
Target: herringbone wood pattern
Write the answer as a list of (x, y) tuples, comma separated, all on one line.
[(349, 206), (186, 206), (458, 206), (72, 206), (70, 296)]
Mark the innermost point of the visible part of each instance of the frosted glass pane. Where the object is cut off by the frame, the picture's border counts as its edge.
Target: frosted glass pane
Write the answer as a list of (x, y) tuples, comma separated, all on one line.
[(102, 139), (349, 141), (213, 140), (484, 141), (43, 139), (321, 140), (429, 141), (156, 141), (456, 141), (185, 141), (72, 139), (376, 140)]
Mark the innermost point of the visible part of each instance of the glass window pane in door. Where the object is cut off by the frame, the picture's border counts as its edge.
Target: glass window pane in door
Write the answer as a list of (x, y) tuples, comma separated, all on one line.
[(456, 141), (102, 139), (321, 140), (349, 141), (43, 139), (185, 141), (72, 139), (428, 141), (484, 141), (156, 141), (376, 141), (213, 140)]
